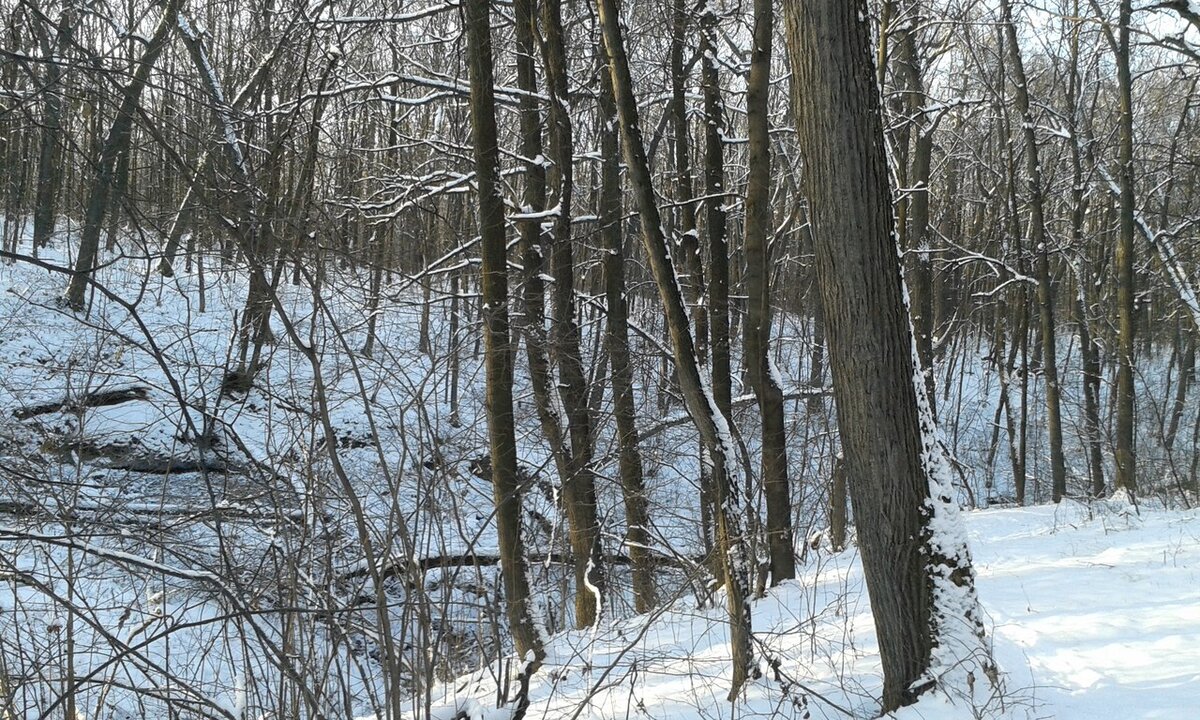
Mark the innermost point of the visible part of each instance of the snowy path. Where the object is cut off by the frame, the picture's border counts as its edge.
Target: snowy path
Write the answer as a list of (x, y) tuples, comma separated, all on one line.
[(1095, 614), (1107, 610)]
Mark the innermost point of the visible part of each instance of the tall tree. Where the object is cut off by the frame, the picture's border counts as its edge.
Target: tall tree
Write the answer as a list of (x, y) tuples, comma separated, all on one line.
[(698, 397), (758, 314), (116, 145), (499, 352), (1040, 242), (49, 162), (579, 485), (891, 454), (629, 459), (1126, 477)]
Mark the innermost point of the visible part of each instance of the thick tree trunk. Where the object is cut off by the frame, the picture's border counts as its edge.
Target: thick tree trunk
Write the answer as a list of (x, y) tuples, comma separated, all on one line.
[(887, 438), (499, 355)]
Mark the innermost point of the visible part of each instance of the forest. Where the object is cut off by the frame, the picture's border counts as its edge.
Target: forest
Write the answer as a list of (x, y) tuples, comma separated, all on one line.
[(502, 359)]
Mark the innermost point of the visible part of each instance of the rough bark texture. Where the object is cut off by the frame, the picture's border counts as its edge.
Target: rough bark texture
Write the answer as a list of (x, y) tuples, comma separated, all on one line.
[(499, 353), (629, 459), (869, 337)]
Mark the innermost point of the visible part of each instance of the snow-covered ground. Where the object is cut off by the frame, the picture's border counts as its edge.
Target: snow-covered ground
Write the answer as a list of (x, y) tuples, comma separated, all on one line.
[(1094, 613), (234, 592)]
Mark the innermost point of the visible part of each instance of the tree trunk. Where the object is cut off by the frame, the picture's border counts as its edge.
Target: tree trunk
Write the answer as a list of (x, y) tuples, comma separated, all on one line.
[(914, 130), (116, 144), (531, 247), (1126, 478), (891, 454), (689, 238), (757, 335), (579, 486), (499, 356), (1040, 242), (714, 432), (49, 164), (1089, 349), (629, 460)]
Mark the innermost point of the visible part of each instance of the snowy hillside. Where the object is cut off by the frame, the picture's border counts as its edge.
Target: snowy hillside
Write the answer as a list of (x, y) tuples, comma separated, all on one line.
[(1094, 612), (227, 577)]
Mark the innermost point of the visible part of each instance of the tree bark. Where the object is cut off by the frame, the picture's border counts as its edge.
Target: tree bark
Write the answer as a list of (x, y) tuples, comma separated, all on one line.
[(714, 432), (1040, 242), (629, 459), (758, 304), (499, 354), (887, 438), (116, 144), (1126, 478), (579, 486), (49, 166)]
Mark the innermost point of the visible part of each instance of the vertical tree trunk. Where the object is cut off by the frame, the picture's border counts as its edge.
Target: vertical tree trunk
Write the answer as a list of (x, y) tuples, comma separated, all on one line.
[(49, 165), (1126, 478), (1040, 242), (914, 151), (629, 460), (531, 244), (116, 143), (1088, 347), (714, 432), (757, 335), (499, 359), (690, 262), (837, 507), (716, 223), (579, 486), (887, 437)]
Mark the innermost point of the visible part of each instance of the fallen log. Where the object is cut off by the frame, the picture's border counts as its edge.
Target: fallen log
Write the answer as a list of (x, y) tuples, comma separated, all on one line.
[(148, 515), (99, 398)]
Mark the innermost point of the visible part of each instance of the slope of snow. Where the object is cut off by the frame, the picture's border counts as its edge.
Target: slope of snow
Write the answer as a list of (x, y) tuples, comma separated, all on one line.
[(1094, 612)]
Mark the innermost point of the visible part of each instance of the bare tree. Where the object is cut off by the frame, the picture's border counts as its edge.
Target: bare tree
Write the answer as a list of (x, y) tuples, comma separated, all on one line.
[(501, 434), (885, 424), (713, 429)]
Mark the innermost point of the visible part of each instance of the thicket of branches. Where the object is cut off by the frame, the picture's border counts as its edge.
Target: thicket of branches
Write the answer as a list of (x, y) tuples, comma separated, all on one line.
[(1047, 199)]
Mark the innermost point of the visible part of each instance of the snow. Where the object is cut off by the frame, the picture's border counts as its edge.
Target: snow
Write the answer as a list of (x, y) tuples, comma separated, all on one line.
[(1091, 610), (1093, 613)]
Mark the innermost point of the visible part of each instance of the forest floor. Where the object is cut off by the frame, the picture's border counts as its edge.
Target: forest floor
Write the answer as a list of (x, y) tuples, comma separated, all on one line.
[(164, 573), (1094, 611)]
